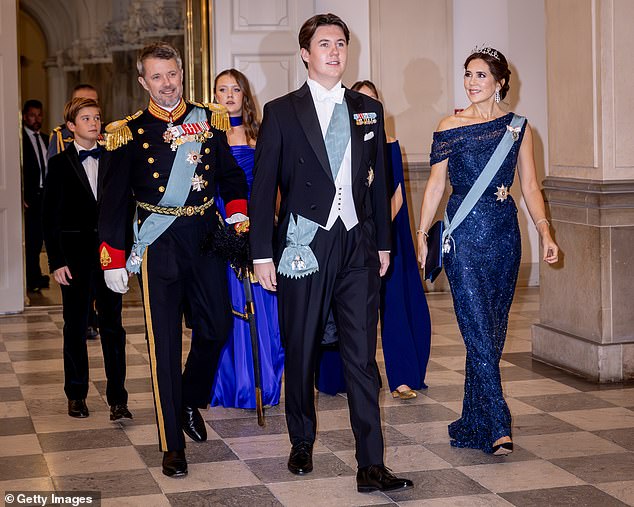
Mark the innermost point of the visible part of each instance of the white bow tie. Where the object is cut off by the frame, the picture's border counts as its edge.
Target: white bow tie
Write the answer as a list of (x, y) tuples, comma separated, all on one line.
[(332, 95)]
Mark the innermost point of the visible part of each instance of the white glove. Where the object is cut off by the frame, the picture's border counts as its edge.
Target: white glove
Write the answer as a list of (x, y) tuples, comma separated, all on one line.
[(236, 218), (116, 280)]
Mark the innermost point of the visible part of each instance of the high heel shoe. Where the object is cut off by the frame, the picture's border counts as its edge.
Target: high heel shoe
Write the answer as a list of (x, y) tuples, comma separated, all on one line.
[(503, 449), (404, 395)]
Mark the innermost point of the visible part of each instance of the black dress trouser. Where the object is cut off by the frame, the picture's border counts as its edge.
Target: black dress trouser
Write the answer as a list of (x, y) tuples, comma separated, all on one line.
[(348, 281), (178, 279), (33, 241), (88, 282)]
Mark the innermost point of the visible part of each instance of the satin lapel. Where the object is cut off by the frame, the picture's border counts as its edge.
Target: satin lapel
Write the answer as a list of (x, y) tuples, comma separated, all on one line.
[(71, 153), (307, 116), (355, 105), (104, 164)]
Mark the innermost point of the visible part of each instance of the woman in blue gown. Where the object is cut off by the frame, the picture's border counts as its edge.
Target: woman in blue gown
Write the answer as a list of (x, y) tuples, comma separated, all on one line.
[(483, 261), (405, 322), (235, 385)]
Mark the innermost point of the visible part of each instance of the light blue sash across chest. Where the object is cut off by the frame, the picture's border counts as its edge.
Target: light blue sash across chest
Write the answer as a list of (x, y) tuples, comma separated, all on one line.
[(483, 181), (176, 192)]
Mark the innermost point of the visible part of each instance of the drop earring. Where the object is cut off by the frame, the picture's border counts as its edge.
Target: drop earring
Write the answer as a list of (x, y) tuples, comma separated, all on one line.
[(497, 96)]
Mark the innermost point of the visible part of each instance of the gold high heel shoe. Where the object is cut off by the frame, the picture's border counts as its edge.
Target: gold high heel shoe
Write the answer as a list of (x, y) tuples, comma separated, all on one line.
[(408, 394)]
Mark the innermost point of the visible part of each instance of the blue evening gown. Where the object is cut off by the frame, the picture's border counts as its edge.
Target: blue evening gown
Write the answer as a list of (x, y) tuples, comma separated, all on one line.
[(405, 322), (234, 385), (482, 269)]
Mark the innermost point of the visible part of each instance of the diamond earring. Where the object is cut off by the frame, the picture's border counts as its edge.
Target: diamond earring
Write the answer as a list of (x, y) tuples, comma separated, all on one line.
[(497, 96)]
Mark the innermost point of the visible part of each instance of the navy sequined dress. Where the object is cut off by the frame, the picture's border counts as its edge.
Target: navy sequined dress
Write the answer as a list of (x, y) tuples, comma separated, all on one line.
[(482, 269)]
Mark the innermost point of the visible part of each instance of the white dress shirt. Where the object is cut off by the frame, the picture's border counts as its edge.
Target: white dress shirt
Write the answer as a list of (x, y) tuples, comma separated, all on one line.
[(343, 203), (91, 166), (36, 139)]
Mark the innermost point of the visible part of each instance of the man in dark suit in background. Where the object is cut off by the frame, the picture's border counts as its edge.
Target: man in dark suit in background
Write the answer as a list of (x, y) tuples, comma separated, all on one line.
[(72, 191), (34, 145), (323, 146)]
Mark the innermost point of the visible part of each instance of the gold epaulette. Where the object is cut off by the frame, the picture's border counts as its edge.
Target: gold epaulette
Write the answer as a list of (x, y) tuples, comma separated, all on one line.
[(219, 115), (118, 133)]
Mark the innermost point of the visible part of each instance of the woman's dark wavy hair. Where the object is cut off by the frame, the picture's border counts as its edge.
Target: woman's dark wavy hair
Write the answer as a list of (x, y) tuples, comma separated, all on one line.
[(368, 84), (249, 112), (499, 68)]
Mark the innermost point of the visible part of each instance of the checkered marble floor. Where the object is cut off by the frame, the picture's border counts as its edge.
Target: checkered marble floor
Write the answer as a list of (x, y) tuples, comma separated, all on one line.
[(574, 440)]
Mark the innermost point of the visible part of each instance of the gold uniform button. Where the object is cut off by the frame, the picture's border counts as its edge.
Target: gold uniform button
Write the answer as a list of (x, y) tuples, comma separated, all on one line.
[(155, 175), (139, 222), (161, 189), (140, 131), (207, 150), (207, 167), (150, 160), (146, 145), (206, 183), (205, 199)]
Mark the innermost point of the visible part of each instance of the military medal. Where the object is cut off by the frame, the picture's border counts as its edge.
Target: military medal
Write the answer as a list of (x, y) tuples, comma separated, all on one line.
[(364, 118), (502, 193), (194, 157), (197, 132), (198, 183)]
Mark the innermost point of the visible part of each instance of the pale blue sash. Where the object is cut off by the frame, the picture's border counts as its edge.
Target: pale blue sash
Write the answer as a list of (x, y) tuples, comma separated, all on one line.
[(337, 137), (483, 181), (298, 260), (178, 187)]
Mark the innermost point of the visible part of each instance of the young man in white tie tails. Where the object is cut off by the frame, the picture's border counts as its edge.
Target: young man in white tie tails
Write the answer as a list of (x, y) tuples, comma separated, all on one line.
[(323, 146)]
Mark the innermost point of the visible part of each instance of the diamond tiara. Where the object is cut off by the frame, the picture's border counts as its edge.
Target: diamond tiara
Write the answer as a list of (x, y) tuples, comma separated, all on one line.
[(486, 51)]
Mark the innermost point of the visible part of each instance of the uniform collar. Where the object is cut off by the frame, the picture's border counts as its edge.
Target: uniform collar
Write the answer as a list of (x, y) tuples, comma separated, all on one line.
[(167, 116)]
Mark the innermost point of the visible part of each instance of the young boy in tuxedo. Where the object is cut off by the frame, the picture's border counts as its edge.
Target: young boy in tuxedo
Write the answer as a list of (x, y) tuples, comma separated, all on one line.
[(71, 196)]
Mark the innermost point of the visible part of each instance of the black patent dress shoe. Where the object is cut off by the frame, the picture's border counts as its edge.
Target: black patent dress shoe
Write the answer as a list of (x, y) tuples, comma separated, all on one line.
[(77, 408), (119, 412), (194, 424), (92, 333), (379, 478), (174, 463), (300, 461)]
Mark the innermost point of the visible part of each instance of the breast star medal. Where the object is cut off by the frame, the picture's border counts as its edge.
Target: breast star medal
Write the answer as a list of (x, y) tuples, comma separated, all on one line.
[(370, 176), (198, 183), (194, 157), (502, 193)]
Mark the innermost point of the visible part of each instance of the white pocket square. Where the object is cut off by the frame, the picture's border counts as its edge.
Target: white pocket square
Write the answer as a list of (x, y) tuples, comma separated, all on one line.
[(368, 136)]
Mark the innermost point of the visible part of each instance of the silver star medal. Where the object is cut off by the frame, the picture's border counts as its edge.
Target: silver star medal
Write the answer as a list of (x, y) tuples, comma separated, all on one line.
[(502, 193), (194, 157), (198, 183), (370, 176)]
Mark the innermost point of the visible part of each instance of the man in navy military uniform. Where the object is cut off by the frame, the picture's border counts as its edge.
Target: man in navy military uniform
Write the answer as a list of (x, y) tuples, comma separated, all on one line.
[(172, 156)]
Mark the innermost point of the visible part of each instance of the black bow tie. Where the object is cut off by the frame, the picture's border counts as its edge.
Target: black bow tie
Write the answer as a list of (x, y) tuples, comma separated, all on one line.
[(94, 153)]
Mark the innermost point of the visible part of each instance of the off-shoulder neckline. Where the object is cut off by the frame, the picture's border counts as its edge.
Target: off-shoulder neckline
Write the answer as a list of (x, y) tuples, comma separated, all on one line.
[(474, 124)]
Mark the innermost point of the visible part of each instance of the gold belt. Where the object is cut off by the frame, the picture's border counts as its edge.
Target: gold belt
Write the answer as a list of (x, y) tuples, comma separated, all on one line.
[(179, 211)]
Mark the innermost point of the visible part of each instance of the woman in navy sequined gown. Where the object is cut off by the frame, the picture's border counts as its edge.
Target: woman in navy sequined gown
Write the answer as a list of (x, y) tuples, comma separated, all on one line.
[(234, 385), (483, 262), (405, 321)]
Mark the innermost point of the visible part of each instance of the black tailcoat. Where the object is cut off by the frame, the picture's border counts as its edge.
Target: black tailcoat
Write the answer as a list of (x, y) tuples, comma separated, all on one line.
[(291, 155)]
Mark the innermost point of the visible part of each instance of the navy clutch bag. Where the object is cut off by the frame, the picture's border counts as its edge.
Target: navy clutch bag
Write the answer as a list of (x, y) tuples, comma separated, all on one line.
[(433, 263)]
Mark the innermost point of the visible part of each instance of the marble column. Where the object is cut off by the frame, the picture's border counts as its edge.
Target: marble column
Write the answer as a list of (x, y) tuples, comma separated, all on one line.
[(587, 301)]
